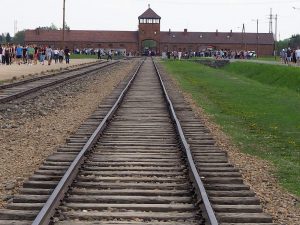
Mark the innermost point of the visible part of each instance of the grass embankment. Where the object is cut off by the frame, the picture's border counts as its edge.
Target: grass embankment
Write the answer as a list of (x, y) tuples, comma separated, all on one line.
[(258, 106)]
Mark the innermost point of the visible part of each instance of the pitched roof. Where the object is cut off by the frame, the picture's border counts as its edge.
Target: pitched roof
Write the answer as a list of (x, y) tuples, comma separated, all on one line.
[(149, 14), (215, 38), (82, 36)]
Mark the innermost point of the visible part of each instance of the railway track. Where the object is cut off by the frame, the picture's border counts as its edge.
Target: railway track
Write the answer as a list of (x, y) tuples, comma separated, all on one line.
[(136, 168), (16, 90)]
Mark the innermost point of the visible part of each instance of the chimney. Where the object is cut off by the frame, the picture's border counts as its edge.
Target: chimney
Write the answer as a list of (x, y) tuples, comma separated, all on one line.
[(185, 30), (217, 32), (169, 31)]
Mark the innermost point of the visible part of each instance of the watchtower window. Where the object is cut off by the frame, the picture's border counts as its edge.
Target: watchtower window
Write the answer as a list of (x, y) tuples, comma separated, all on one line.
[(149, 21)]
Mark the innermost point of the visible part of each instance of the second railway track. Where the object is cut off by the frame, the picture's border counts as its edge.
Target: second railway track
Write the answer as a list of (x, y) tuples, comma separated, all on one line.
[(136, 172), (19, 89)]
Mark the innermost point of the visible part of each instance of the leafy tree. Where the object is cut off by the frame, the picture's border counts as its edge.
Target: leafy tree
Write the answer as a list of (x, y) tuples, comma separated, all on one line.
[(66, 27), (8, 38), (19, 37), (292, 42), (51, 27)]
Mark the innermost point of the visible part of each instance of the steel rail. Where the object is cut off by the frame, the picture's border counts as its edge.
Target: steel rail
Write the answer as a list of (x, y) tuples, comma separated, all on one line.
[(5, 86), (31, 90), (48, 210), (199, 186)]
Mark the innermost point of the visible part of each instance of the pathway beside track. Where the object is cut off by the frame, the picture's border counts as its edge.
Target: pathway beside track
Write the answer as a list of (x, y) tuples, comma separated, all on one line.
[(19, 89), (23, 70)]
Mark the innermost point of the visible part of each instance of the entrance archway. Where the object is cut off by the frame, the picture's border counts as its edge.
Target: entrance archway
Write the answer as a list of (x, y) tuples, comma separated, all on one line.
[(149, 47)]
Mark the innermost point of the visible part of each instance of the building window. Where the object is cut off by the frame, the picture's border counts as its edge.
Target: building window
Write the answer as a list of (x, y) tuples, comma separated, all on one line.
[(121, 45), (110, 45)]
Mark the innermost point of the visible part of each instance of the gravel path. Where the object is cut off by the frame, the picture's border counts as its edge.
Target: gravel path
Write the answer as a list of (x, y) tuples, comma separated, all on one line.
[(257, 173), (32, 130), (15, 71)]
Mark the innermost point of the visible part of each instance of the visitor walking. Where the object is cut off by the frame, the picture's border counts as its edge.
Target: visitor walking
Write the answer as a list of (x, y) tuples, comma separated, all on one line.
[(56, 52), (99, 54), (49, 54), (297, 52), (67, 55), (19, 52), (61, 56), (109, 55), (1, 51)]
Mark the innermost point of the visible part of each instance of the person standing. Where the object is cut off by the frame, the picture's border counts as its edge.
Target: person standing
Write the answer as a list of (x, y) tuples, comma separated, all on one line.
[(30, 52), (36, 55), (24, 54), (67, 55), (109, 55), (99, 53), (1, 52), (61, 55), (19, 52), (56, 52), (297, 53), (42, 55), (289, 56), (49, 53)]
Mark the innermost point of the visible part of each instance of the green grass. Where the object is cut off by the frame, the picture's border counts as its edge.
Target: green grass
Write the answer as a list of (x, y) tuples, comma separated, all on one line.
[(259, 113), (268, 58), (274, 75)]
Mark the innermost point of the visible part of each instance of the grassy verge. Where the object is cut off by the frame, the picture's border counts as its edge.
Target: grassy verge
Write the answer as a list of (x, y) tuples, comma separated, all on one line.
[(262, 116), (269, 58)]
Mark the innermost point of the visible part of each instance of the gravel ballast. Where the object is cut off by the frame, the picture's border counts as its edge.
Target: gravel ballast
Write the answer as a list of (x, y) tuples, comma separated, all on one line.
[(32, 130)]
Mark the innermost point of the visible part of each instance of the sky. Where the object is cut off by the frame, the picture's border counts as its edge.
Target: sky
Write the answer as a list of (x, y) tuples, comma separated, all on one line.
[(195, 15)]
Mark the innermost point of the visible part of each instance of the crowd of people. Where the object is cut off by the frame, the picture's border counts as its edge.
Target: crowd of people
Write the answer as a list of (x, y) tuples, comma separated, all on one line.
[(217, 54), (290, 56), (32, 54)]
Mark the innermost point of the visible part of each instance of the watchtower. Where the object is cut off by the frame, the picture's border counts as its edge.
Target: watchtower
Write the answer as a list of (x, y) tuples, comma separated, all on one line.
[(149, 32)]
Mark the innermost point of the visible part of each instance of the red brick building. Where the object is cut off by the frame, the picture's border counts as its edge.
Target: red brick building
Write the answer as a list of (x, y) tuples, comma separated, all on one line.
[(149, 36)]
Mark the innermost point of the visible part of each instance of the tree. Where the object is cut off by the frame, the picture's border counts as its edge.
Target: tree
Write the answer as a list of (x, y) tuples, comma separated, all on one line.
[(19, 37), (66, 27), (51, 27), (292, 42), (8, 38)]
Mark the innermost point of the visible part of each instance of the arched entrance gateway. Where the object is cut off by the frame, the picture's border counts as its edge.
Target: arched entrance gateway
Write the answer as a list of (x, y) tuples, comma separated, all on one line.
[(149, 32), (149, 47)]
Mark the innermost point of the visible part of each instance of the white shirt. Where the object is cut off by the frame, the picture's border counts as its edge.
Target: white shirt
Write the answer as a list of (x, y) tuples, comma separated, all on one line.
[(297, 53)]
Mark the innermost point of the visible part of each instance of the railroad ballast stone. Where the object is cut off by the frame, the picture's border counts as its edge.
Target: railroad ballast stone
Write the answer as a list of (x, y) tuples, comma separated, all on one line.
[(36, 136)]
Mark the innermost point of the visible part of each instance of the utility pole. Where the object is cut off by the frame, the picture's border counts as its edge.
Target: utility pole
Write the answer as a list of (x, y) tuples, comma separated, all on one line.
[(257, 38), (276, 18), (64, 23), (243, 37), (271, 22)]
